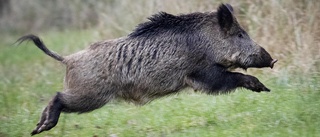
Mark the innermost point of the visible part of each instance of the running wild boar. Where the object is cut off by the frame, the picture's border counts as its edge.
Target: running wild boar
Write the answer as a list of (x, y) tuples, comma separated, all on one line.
[(160, 57)]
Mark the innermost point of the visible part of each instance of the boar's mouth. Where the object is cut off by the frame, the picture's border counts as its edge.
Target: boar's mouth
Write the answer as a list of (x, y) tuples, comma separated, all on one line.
[(263, 64), (253, 65), (253, 61)]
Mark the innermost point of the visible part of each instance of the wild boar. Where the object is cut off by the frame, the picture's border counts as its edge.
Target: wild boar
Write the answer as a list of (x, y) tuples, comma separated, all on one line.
[(162, 56)]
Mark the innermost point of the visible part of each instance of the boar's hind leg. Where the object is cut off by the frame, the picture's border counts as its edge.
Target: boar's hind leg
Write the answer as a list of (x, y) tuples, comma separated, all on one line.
[(50, 115), (216, 79), (68, 101)]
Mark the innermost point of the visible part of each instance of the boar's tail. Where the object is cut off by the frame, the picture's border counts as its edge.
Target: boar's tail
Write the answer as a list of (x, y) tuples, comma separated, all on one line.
[(36, 40)]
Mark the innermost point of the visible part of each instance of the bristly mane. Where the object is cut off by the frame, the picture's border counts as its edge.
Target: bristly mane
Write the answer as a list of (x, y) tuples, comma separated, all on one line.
[(164, 22)]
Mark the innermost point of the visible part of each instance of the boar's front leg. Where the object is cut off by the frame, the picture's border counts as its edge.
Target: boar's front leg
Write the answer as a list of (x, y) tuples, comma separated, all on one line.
[(50, 116), (251, 83), (216, 79)]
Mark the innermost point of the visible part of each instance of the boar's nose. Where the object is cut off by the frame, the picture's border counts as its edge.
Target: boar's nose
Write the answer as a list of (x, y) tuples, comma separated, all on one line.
[(273, 62)]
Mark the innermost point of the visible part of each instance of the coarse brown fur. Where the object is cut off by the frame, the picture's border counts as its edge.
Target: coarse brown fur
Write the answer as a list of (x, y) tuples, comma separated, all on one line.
[(160, 57)]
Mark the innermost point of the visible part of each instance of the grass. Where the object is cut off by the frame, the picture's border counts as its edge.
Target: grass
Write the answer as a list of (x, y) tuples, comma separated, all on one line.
[(29, 79), (288, 29)]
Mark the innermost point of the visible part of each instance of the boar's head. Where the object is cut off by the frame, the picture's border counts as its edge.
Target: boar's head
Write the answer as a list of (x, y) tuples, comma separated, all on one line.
[(232, 46)]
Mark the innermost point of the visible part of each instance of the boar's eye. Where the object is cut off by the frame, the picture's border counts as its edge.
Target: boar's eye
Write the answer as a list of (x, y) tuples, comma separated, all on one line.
[(240, 35)]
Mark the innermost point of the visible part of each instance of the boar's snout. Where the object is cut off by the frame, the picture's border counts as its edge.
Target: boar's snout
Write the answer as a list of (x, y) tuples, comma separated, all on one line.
[(263, 59), (267, 59)]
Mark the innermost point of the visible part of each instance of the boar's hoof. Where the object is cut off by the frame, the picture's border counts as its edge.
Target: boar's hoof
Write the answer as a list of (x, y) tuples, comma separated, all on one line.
[(47, 125)]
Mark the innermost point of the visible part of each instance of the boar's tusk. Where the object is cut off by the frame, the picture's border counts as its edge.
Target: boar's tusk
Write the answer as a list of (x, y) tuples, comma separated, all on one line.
[(273, 62)]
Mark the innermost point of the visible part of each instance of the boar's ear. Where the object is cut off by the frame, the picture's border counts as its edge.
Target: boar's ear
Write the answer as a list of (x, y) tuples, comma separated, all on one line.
[(225, 16)]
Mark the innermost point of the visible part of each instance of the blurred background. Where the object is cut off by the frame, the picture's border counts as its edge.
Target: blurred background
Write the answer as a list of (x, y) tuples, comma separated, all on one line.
[(288, 29)]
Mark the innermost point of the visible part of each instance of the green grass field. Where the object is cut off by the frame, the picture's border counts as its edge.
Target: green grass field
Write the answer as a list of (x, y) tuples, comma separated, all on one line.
[(29, 79), (288, 29)]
